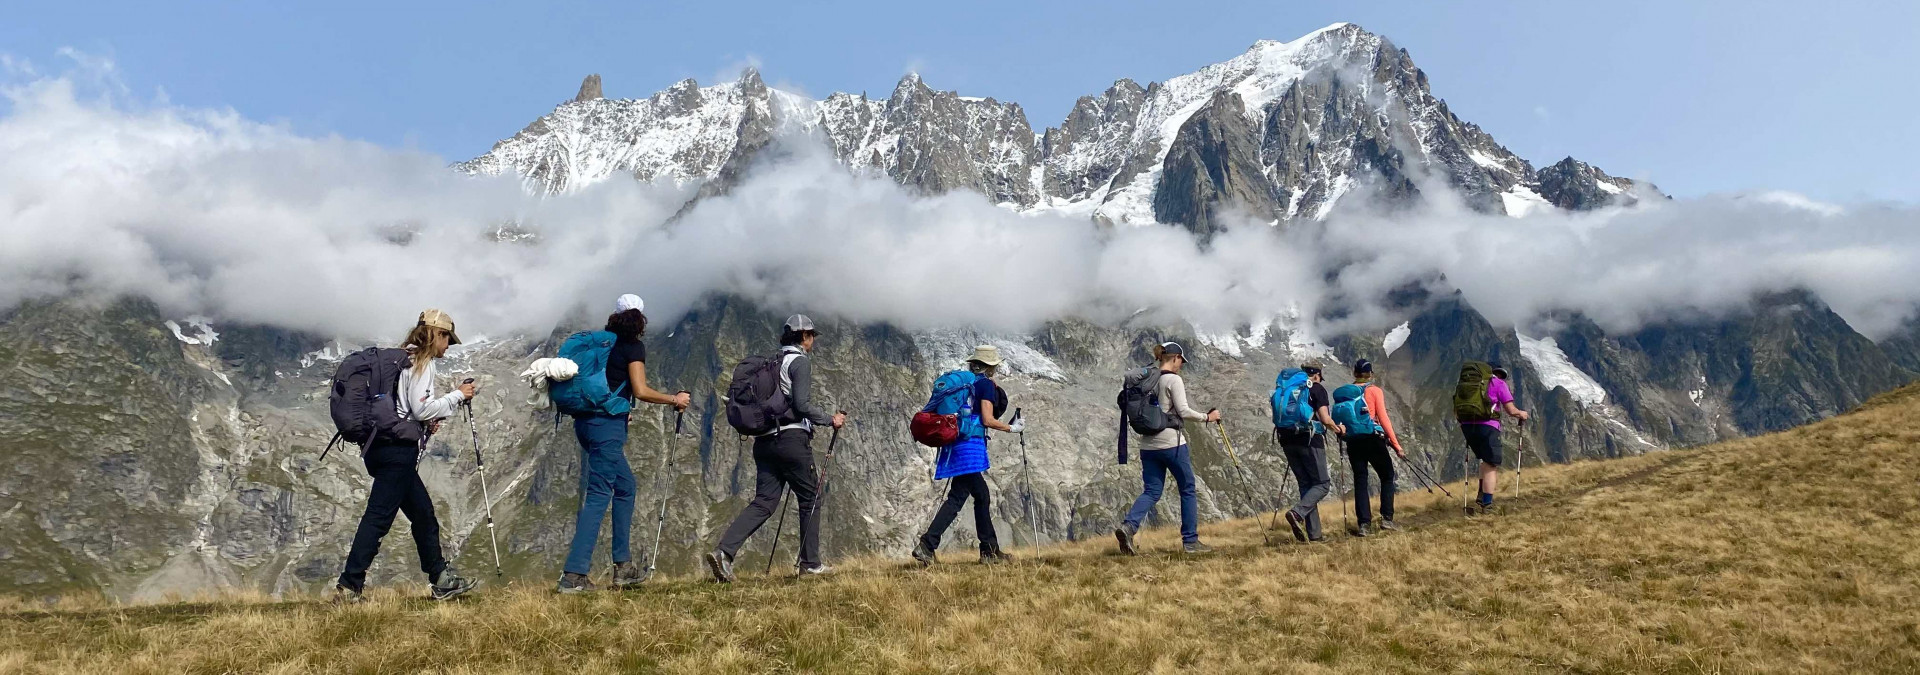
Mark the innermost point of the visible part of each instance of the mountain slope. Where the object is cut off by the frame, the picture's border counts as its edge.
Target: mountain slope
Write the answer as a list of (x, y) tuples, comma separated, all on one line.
[(1683, 561)]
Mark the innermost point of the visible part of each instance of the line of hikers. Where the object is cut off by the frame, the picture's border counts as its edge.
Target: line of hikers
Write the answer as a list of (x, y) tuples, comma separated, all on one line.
[(385, 401)]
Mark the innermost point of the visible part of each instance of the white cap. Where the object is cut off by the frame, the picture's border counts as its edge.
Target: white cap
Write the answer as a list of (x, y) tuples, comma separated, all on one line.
[(629, 301)]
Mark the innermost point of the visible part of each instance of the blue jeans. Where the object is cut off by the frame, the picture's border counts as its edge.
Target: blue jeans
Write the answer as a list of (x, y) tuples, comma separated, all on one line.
[(605, 479), (1154, 465)]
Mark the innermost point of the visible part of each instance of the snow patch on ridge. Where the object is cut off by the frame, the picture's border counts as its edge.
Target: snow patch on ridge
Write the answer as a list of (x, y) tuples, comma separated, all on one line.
[(948, 350), (1521, 200), (1397, 337), (200, 327), (1555, 370)]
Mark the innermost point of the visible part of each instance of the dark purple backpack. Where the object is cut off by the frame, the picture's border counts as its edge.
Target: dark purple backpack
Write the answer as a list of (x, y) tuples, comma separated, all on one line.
[(363, 400)]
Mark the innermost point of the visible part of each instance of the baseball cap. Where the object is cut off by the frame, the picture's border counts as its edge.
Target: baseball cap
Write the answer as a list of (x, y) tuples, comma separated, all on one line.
[(629, 301), (438, 319), (1312, 367), (1362, 367), (1173, 349), (798, 323)]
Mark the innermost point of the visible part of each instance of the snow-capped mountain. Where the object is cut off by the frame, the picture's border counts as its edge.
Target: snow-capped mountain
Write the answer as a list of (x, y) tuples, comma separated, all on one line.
[(1280, 132)]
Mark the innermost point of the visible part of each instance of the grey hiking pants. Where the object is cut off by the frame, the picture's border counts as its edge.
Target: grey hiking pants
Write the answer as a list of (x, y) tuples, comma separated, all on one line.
[(1309, 466)]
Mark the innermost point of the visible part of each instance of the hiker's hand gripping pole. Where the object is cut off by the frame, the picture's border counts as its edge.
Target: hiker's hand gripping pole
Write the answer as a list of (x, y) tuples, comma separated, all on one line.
[(486, 498)]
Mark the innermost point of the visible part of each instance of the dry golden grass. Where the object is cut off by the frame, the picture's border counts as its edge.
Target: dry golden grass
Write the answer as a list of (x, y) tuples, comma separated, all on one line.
[(1786, 553)]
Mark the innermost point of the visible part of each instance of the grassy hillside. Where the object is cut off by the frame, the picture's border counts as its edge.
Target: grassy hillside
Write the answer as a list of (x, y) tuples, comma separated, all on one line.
[(1785, 553)]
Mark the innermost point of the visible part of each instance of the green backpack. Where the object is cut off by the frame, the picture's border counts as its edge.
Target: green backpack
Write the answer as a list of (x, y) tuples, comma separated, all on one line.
[(1470, 400)]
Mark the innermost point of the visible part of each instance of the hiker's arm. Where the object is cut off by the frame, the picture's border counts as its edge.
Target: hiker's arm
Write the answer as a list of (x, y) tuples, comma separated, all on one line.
[(433, 409), (987, 420), (1516, 412), (1177, 390), (1377, 404), (801, 372), (637, 380)]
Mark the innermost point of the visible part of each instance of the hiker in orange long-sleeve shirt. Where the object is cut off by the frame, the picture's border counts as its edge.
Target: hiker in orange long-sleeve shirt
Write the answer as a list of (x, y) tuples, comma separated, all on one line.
[(1362, 408)]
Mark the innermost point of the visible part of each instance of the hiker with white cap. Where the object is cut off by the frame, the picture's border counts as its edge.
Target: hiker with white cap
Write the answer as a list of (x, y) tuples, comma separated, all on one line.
[(965, 460), (394, 462), (1166, 452), (783, 458), (606, 479)]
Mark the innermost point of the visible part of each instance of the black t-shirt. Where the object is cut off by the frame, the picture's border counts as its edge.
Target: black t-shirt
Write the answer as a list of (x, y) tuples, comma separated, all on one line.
[(625, 352), (1316, 398)]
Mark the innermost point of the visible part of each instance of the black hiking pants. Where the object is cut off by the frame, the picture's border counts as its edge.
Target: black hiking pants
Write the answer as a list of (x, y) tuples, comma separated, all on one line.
[(781, 462), (971, 485), (396, 488), (1362, 452)]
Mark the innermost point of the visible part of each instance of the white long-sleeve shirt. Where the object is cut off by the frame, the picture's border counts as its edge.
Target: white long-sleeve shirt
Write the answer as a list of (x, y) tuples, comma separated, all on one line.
[(1173, 400), (417, 401)]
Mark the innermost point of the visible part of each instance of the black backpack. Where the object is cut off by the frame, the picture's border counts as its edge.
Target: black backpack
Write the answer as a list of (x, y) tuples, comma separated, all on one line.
[(1139, 403), (363, 400), (755, 405)]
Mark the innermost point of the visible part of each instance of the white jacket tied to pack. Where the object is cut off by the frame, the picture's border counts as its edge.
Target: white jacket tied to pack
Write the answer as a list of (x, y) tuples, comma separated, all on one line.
[(543, 371)]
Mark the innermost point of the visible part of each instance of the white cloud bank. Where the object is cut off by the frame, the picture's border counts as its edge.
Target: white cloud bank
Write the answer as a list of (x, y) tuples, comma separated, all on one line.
[(210, 214)]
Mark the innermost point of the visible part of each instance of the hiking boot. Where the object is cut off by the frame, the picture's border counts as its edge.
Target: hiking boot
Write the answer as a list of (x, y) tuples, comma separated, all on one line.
[(1388, 526), (1195, 548), (450, 585), (722, 566), (1362, 530), (1124, 533), (924, 555), (1298, 525), (347, 596), (995, 557), (817, 569), (628, 575), (571, 584)]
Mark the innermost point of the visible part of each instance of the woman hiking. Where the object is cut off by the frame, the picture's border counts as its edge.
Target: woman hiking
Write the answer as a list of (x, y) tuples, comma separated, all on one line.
[(606, 479), (1369, 434), (965, 462), (394, 465), (1165, 452)]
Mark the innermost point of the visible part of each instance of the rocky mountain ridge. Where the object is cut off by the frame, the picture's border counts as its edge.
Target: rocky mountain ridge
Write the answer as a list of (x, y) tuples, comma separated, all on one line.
[(1293, 126)]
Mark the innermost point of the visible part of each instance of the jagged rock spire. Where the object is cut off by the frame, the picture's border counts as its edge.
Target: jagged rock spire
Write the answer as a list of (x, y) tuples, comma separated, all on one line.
[(589, 88)]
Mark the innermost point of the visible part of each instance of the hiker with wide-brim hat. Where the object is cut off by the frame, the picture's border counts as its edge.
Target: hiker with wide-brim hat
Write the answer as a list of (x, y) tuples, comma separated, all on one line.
[(394, 463), (607, 486), (965, 462), (1166, 452), (783, 459)]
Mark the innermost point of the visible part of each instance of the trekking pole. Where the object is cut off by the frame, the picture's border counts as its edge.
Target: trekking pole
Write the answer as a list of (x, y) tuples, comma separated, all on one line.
[(1520, 463), (486, 498), (660, 523), (1245, 484), (1286, 479), (1346, 461), (1426, 475), (1026, 471), (777, 527), (819, 498)]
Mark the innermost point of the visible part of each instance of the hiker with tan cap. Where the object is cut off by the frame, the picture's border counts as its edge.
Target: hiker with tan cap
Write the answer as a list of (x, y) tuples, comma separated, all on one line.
[(965, 461), (393, 460)]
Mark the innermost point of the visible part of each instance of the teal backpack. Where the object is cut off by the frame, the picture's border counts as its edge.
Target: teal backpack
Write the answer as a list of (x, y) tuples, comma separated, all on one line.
[(587, 393), (1350, 410), (1291, 409)]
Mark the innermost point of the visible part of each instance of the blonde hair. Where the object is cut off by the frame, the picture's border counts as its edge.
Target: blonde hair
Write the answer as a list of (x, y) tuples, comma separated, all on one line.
[(422, 339)]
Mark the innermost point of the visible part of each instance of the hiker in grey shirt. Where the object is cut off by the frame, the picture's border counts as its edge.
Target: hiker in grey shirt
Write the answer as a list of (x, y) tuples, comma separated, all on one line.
[(783, 460)]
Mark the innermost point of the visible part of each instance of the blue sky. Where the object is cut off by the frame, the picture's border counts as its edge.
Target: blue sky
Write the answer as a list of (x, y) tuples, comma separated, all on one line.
[(1819, 98)]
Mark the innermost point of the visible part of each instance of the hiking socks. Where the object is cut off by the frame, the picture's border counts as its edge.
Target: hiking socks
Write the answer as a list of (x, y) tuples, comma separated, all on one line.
[(1486, 500)]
